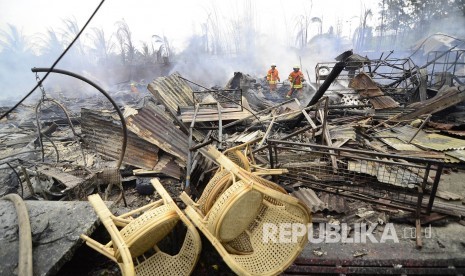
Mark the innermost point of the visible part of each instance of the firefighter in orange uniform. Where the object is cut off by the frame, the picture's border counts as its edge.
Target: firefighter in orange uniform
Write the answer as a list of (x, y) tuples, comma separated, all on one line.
[(134, 88), (273, 77), (296, 78)]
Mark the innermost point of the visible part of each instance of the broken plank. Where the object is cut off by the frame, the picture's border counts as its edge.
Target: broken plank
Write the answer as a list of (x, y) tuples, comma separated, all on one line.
[(69, 180)]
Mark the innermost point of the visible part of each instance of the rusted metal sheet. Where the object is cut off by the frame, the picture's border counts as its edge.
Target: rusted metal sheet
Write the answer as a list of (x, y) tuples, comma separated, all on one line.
[(395, 142), (388, 113), (406, 149), (149, 124), (103, 135), (395, 175), (459, 154), (343, 132), (368, 89), (172, 91), (208, 116), (334, 203), (428, 140), (444, 99), (326, 201), (456, 132), (168, 166)]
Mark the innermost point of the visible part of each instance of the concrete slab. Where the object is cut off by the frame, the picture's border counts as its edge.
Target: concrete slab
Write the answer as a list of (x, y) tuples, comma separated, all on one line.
[(56, 226), (443, 252)]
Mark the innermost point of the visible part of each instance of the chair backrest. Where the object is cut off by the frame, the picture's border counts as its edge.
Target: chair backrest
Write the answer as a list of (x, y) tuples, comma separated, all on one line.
[(144, 232), (234, 211), (220, 181), (238, 158)]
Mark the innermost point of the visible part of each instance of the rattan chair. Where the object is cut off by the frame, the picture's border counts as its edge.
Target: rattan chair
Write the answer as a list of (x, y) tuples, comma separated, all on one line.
[(134, 246), (235, 222)]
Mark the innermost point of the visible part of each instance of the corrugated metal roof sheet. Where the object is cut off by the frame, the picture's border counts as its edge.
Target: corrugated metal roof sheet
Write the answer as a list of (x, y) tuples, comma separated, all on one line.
[(390, 174), (168, 166), (172, 92), (445, 98), (456, 132), (396, 143), (149, 124), (383, 102), (309, 198), (367, 88), (343, 132), (228, 116), (406, 149), (459, 154), (103, 135), (245, 137), (335, 203), (428, 140), (326, 201)]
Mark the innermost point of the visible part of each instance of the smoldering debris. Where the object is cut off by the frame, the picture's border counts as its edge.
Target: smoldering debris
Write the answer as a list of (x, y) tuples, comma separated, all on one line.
[(365, 135)]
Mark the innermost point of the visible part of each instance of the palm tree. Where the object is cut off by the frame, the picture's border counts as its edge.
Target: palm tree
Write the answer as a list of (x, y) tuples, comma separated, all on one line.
[(52, 45), (101, 46), (164, 50), (363, 31), (146, 55), (13, 41), (126, 44), (76, 55), (17, 57)]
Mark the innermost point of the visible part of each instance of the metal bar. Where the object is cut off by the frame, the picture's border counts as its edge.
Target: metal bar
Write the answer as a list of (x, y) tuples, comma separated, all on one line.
[(296, 132), (310, 121), (211, 90), (206, 128), (270, 126), (201, 145), (118, 110), (19, 179), (418, 130), (434, 189), (220, 126), (337, 69), (421, 192), (270, 153), (337, 153), (189, 153), (70, 123), (255, 114), (348, 193), (410, 73), (414, 159), (28, 180)]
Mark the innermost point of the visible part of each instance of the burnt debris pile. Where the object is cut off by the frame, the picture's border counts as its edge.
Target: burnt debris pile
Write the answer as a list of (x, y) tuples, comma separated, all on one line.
[(369, 140)]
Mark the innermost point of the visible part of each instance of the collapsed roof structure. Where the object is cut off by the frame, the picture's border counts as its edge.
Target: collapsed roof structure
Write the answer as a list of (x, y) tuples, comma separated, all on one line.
[(368, 143)]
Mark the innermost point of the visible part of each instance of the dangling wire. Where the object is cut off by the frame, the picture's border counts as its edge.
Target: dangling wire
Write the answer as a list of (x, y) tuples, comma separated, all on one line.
[(46, 99), (39, 133), (41, 86)]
